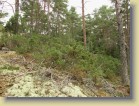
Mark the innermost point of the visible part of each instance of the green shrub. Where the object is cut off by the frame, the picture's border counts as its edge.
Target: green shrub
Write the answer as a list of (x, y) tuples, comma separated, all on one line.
[(67, 55)]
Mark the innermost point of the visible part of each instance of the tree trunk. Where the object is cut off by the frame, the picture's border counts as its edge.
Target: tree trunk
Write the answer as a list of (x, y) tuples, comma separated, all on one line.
[(37, 26), (16, 6), (128, 31), (17, 15), (48, 14), (58, 23), (31, 18), (44, 7), (124, 66), (83, 24)]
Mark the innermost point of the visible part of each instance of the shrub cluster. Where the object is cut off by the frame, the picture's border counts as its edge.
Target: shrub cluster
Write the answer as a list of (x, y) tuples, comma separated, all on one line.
[(67, 55)]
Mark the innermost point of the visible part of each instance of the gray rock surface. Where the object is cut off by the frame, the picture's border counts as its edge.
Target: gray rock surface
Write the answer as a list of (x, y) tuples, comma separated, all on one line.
[(27, 88)]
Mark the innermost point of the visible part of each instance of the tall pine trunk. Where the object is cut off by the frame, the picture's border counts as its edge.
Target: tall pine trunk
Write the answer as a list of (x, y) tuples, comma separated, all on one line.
[(31, 18), (48, 14), (37, 26), (124, 66), (83, 24), (128, 30), (17, 15), (44, 6)]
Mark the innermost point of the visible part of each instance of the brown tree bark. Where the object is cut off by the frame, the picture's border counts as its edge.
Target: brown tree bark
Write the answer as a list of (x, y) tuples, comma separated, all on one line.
[(17, 6), (37, 26), (44, 6), (83, 24), (128, 30), (31, 18), (124, 66), (48, 14), (17, 15)]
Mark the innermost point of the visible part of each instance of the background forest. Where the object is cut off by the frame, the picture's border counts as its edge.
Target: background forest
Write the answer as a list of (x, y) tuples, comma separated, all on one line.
[(94, 46)]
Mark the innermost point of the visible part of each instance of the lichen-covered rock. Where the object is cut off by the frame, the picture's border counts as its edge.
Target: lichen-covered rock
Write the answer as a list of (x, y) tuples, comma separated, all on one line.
[(27, 88), (62, 95), (25, 84), (73, 91)]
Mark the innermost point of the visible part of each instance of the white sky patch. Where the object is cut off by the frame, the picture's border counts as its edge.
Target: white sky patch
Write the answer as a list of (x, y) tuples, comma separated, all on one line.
[(90, 5)]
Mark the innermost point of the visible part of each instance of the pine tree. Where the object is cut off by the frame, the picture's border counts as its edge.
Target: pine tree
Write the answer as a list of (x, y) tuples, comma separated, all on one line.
[(126, 25), (59, 15), (34, 18), (48, 15), (124, 67), (73, 22), (83, 22), (17, 15)]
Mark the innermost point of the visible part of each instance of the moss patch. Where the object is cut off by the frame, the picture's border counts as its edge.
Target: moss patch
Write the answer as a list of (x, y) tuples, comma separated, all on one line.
[(9, 67)]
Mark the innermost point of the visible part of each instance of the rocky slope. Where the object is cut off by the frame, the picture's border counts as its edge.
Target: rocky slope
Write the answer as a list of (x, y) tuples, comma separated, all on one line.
[(22, 77)]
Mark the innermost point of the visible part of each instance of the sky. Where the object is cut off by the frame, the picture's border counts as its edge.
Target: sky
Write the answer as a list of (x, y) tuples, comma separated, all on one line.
[(90, 6)]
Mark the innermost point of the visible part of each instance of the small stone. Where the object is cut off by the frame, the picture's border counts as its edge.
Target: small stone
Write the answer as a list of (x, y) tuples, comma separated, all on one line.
[(5, 49)]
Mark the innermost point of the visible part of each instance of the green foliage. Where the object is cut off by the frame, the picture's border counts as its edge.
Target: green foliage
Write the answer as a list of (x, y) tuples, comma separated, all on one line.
[(74, 22), (62, 46), (34, 18), (9, 67), (106, 65), (11, 25), (67, 55), (19, 43), (102, 36)]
